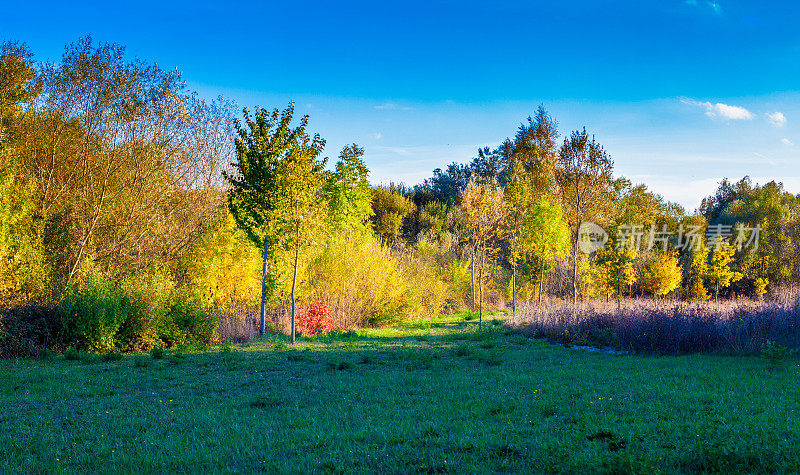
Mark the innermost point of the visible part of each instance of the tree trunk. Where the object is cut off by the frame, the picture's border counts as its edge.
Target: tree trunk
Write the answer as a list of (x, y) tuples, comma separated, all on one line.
[(294, 284), (472, 278), (262, 328), (583, 291), (480, 291), (575, 267), (513, 291), (541, 287)]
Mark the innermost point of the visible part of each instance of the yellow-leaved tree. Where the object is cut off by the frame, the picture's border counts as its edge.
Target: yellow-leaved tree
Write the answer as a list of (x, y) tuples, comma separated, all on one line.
[(662, 274), (719, 271), (483, 206)]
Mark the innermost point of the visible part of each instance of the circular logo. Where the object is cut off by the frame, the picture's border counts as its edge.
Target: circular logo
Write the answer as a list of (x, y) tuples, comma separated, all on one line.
[(591, 237)]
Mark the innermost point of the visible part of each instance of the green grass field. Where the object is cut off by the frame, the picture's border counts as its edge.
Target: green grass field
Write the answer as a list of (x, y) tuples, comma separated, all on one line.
[(436, 396)]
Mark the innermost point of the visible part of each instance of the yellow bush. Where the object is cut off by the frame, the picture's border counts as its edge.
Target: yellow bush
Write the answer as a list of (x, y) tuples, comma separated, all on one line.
[(225, 267), (366, 283)]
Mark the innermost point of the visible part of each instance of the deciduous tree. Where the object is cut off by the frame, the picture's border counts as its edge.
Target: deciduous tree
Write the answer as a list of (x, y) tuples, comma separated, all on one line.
[(662, 274), (719, 271), (273, 183), (348, 192), (546, 238), (483, 206), (585, 184), (390, 208)]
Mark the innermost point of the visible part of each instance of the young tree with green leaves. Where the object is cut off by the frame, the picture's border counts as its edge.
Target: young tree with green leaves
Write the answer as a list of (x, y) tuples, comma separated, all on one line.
[(517, 198), (302, 172), (348, 192), (616, 263), (273, 185), (483, 206), (546, 238)]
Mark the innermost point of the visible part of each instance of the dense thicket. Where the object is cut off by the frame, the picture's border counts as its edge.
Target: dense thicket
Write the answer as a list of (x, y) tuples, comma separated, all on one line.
[(114, 163)]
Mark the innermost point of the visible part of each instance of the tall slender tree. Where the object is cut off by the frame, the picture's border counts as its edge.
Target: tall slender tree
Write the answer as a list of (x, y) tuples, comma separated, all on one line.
[(302, 173), (517, 200), (585, 183), (272, 184), (483, 205)]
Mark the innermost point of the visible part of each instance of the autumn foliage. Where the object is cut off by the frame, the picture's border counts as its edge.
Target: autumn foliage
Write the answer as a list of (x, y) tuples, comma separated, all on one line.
[(315, 318)]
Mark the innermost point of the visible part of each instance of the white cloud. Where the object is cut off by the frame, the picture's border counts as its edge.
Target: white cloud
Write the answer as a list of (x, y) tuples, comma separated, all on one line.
[(721, 110), (392, 106), (776, 118), (715, 7), (377, 136), (787, 142)]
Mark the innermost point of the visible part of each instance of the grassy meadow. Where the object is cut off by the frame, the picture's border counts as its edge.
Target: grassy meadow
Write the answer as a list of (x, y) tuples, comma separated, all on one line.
[(432, 396)]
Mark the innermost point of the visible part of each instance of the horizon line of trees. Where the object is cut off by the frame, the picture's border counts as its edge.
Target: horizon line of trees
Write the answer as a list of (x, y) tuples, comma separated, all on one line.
[(112, 165), (546, 187)]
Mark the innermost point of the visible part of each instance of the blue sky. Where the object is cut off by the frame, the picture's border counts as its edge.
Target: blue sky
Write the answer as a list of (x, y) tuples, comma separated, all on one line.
[(681, 93)]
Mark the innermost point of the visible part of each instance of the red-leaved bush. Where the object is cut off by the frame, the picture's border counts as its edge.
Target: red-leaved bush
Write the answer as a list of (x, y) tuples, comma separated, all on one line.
[(315, 318)]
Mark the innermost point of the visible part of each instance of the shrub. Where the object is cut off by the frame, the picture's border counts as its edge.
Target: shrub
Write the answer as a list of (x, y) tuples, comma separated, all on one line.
[(698, 292), (157, 352), (112, 356), (28, 330), (760, 286), (314, 319), (144, 300), (91, 313), (137, 314), (186, 321), (367, 283)]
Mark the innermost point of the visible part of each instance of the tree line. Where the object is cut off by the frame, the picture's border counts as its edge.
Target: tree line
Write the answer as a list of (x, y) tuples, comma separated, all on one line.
[(112, 167), (521, 205)]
